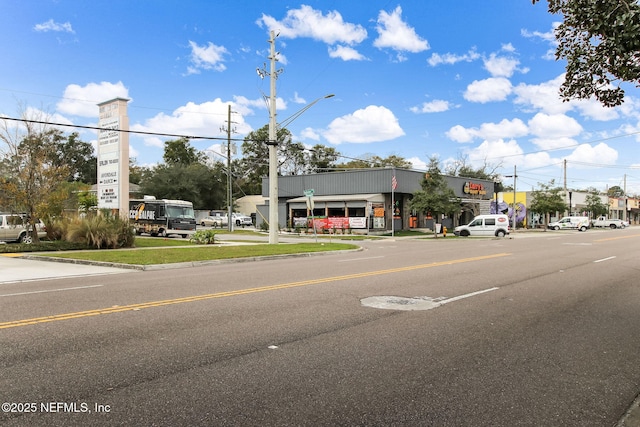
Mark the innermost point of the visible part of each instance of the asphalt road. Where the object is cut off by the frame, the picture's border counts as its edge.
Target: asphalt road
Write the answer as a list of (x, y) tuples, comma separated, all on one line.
[(539, 330)]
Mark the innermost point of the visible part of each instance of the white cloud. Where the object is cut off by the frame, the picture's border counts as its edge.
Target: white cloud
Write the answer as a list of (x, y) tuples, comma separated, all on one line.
[(245, 105), (308, 22), (559, 143), (489, 131), (51, 25), (396, 34), (206, 57), (544, 97), (459, 133), (593, 109), (506, 153), (505, 129), (548, 37), (450, 58), (488, 90), (82, 100), (345, 53), (490, 150), (309, 133), (500, 66), (599, 154), (417, 163), (371, 124), (435, 106), (554, 126), (192, 119)]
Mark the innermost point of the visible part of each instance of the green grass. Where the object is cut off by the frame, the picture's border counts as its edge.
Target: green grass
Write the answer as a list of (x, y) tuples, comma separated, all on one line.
[(154, 242), (199, 253)]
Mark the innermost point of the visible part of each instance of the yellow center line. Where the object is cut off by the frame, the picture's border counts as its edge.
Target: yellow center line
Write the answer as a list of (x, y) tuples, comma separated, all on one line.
[(140, 306), (617, 238)]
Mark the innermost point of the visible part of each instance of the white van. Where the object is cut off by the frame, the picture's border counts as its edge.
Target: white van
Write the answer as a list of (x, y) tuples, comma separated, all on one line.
[(570, 223), (485, 225)]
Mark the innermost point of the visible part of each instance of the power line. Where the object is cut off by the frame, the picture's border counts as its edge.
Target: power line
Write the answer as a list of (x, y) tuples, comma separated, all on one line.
[(216, 138)]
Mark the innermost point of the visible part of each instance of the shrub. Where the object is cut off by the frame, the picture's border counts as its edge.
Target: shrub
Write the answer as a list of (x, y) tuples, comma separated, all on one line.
[(203, 237), (101, 231)]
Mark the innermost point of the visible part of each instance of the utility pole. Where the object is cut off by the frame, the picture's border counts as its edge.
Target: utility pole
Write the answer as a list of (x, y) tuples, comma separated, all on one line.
[(229, 130), (624, 213), (273, 145), (515, 176), (513, 211), (565, 185)]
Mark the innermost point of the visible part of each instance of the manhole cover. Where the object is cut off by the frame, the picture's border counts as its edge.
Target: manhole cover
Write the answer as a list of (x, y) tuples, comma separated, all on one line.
[(402, 303)]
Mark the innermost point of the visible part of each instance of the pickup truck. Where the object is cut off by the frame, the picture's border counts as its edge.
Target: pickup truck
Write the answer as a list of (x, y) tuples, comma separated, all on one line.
[(603, 221), (238, 220)]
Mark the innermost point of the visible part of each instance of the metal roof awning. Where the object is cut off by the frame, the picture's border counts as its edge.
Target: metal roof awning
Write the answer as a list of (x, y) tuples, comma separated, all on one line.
[(345, 198)]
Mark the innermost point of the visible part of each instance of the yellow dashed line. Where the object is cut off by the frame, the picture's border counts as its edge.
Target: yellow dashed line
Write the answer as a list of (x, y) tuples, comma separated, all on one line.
[(140, 306), (617, 238)]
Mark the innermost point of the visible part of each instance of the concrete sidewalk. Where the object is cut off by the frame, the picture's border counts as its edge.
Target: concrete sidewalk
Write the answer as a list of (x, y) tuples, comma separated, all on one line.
[(14, 269)]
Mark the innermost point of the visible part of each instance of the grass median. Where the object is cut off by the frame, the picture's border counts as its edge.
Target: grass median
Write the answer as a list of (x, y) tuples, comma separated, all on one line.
[(169, 255)]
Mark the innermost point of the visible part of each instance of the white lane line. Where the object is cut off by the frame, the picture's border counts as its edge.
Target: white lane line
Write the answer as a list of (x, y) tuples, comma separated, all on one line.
[(604, 259), (446, 301), (51, 290), (360, 259)]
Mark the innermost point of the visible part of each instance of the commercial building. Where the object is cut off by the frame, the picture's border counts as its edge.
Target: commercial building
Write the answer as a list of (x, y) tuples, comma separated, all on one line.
[(367, 199)]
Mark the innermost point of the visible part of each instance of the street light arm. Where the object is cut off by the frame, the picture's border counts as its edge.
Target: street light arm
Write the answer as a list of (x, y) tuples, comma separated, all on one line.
[(286, 122)]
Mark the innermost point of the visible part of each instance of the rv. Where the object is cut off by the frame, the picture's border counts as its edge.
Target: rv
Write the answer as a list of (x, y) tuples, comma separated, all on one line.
[(162, 217)]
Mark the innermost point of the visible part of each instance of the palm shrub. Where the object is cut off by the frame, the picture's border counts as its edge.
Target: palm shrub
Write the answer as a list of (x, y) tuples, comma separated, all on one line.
[(204, 237), (101, 231)]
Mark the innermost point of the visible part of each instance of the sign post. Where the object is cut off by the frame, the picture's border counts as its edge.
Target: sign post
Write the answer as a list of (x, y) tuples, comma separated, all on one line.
[(310, 205)]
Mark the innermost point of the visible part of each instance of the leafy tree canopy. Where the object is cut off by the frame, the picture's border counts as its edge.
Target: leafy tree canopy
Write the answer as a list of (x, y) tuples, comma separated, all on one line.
[(371, 161), (547, 200), (436, 196), (180, 151), (600, 39), (594, 204)]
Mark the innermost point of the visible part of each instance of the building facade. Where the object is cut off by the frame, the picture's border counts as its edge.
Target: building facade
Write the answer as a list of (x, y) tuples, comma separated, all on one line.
[(367, 199)]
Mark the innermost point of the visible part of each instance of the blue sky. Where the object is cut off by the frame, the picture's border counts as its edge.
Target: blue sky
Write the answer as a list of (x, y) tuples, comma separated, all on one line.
[(465, 79)]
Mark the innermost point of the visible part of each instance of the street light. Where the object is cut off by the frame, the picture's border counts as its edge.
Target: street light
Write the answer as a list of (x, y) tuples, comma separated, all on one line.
[(273, 157)]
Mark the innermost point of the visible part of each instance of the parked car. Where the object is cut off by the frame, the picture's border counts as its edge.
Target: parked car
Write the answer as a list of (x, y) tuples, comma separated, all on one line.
[(580, 223), (13, 228), (213, 221), (485, 225)]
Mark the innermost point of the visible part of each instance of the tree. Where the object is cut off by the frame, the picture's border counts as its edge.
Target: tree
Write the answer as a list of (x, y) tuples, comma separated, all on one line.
[(185, 175), (461, 167), (436, 197), (615, 191), (255, 161), (77, 156), (547, 200), (322, 158), (197, 183), (32, 184), (594, 204), (600, 39), (136, 172), (371, 161), (180, 151)]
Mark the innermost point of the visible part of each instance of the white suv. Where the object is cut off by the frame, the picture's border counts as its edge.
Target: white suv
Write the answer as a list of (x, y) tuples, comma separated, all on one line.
[(239, 219), (13, 229)]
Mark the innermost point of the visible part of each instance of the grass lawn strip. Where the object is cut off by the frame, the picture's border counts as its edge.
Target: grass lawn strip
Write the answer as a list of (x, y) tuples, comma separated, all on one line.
[(200, 253)]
